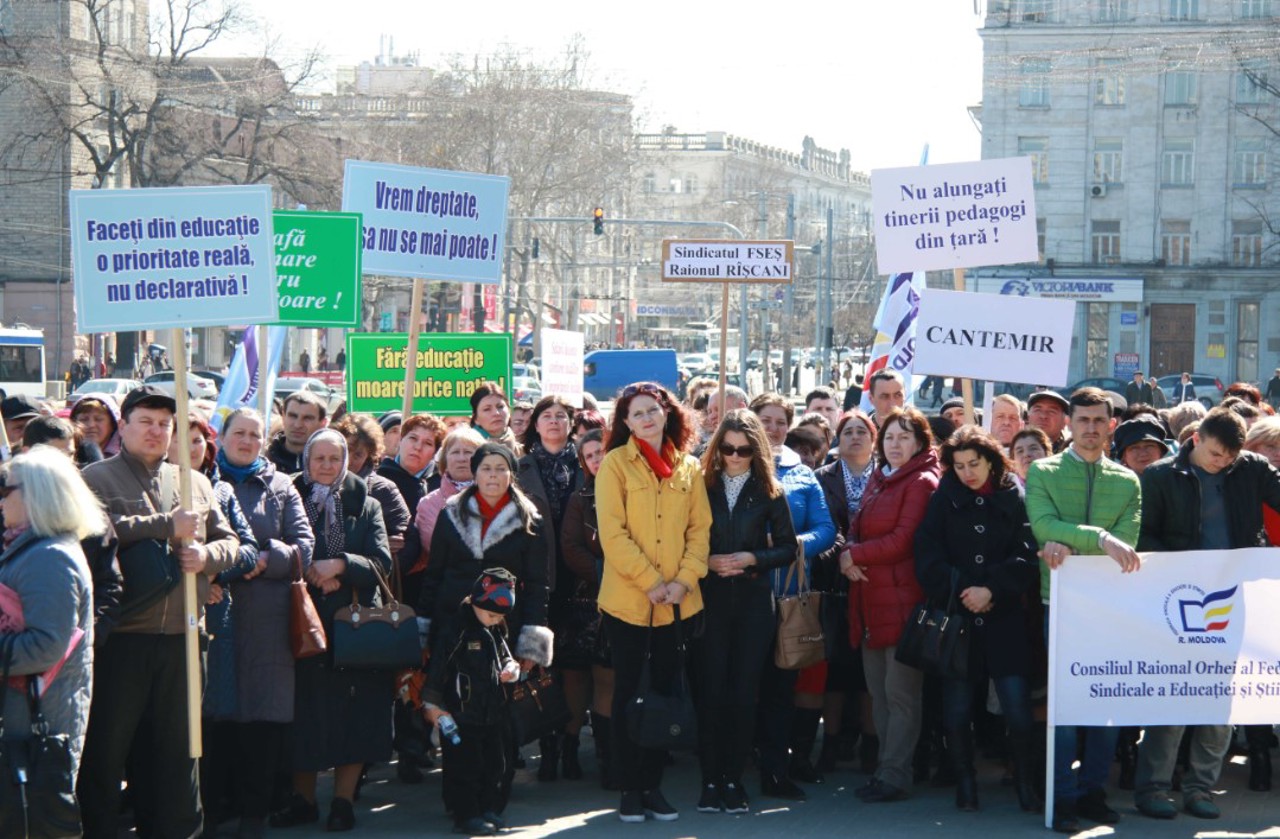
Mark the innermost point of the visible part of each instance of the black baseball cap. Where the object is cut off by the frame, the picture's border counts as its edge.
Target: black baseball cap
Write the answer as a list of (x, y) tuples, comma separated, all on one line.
[(19, 407), (148, 396)]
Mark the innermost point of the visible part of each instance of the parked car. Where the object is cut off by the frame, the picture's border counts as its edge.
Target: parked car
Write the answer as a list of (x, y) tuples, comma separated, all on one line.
[(218, 378), (695, 362), (331, 396), (525, 389), (198, 387), (529, 371), (1208, 388), (1104, 382), (605, 372), (112, 387)]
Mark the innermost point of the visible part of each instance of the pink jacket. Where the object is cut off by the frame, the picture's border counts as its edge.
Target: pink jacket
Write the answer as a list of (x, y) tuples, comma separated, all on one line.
[(429, 509)]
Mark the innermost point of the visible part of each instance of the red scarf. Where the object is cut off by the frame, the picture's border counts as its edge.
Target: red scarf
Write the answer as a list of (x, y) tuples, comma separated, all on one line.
[(487, 513), (661, 464), (987, 489)]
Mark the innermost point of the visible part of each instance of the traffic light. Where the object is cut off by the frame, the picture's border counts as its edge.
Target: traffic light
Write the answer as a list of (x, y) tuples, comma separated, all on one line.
[(598, 218)]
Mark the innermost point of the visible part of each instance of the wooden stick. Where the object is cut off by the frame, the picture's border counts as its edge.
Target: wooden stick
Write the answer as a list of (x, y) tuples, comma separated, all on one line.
[(264, 395), (190, 609), (966, 385), (724, 343), (411, 353)]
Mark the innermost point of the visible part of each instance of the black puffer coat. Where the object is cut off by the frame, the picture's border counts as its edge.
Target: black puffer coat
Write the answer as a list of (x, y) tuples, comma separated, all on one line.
[(984, 541), (756, 521)]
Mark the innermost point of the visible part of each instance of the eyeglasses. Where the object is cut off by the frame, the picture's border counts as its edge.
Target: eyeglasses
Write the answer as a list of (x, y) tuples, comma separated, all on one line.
[(10, 489), (741, 451), (642, 387)]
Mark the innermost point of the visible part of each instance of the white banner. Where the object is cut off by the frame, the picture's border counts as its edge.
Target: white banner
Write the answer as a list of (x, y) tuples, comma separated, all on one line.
[(562, 365), (1191, 638), (954, 215), (994, 337)]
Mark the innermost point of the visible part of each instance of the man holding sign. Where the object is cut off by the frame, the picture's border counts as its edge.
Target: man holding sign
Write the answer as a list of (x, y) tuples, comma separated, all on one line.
[(1081, 503), (1208, 497), (140, 673)]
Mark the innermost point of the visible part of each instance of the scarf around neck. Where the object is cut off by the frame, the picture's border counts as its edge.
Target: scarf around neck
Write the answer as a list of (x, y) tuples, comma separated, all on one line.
[(489, 513), (239, 474), (323, 502), (556, 471), (661, 464)]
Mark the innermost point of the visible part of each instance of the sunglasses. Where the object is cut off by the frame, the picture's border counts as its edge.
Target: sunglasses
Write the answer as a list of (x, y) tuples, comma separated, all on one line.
[(741, 451), (6, 491), (643, 387)]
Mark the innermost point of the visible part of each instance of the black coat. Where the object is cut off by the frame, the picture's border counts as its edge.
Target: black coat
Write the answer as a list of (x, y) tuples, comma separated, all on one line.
[(826, 571), (463, 675), (530, 480), (983, 541), (756, 520), (1171, 502), (459, 554)]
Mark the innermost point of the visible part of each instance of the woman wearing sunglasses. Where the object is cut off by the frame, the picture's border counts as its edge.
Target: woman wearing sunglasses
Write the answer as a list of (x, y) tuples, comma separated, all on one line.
[(751, 534), (654, 522)]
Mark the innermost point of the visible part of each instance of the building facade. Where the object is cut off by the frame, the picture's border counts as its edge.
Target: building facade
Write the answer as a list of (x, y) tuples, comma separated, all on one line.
[(1151, 129)]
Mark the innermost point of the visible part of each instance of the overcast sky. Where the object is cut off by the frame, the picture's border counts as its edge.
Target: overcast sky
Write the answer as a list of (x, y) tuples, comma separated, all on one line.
[(880, 79)]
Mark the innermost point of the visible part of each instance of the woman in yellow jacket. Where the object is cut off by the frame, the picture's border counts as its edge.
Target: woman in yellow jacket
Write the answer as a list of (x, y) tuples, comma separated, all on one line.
[(655, 524)]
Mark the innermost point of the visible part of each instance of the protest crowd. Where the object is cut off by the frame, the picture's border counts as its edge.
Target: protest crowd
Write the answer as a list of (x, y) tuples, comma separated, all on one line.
[(644, 576)]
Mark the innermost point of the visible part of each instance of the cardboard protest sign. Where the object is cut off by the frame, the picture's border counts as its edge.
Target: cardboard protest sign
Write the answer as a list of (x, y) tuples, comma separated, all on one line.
[(428, 223), (562, 364), (994, 337), (449, 367), (727, 260), (955, 215), (1193, 638), (318, 268), (178, 257)]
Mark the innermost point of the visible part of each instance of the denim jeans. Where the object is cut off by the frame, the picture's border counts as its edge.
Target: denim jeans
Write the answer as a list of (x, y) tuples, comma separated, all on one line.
[(1015, 704), (1095, 763)]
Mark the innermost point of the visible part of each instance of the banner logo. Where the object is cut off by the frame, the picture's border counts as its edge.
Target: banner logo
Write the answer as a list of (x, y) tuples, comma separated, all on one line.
[(1195, 617), (1021, 288)]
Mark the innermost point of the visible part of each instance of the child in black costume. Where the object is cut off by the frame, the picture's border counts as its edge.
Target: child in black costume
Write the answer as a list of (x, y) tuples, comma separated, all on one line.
[(470, 663)]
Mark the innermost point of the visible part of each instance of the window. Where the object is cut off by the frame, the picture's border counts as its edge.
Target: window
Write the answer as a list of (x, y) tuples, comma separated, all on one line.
[(1112, 11), (1249, 168), (1108, 86), (1246, 243), (674, 184), (1098, 344), (1255, 9), (1251, 85), (1035, 11), (1247, 342), (1108, 161), (650, 182), (690, 184), (114, 177), (1105, 236), (1175, 242), (1036, 148), (1180, 88), (1035, 84), (1184, 9), (1178, 165)]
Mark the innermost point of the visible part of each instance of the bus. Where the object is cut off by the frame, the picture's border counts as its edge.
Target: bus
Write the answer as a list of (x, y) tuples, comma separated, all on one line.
[(22, 368), (693, 337)]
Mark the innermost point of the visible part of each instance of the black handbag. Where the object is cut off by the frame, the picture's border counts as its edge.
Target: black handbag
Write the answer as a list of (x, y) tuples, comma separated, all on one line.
[(150, 572), (659, 720), (537, 706), (936, 640), (376, 637), (37, 791)]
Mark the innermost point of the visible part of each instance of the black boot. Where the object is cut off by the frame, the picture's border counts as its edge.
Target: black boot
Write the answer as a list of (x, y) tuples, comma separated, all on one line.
[(602, 732), (946, 775), (804, 731), (830, 753), (1259, 739), (868, 753), (569, 765), (1024, 771), (960, 750), (549, 747), (1127, 754)]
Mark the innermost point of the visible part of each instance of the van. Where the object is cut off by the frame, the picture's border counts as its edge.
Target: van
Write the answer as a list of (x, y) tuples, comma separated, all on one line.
[(608, 371)]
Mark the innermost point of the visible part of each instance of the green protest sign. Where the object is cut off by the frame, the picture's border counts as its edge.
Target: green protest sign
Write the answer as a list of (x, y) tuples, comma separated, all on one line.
[(318, 268), (449, 369)]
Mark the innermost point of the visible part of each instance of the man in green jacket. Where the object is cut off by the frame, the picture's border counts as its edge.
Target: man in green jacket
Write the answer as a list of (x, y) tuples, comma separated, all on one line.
[(1081, 503)]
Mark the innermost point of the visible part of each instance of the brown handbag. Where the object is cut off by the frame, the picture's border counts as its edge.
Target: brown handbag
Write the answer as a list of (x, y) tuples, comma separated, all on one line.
[(306, 631), (801, 641)]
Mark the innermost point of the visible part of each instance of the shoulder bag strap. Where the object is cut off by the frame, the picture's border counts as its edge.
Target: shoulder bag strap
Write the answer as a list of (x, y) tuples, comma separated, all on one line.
[(6, 643), (645, 677)]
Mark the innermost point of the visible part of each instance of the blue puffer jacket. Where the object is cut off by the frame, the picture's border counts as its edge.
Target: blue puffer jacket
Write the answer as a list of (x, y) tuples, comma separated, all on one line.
[(815, 529)]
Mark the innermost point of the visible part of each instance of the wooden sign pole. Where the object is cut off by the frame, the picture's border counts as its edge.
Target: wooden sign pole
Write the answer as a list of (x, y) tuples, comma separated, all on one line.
[(190, 609), (264, 395), (411, 350), (724, 343), (966, 385)]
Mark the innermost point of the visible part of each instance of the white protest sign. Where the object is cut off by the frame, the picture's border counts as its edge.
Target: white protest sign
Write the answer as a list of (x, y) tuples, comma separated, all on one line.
[(1191, 638), (994, 337), (562, 364), (172, 257), (725, 260), (429, 223), (954, 215)]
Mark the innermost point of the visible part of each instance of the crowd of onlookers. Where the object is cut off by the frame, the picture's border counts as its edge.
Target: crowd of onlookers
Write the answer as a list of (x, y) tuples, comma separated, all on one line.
[(624, 555)]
